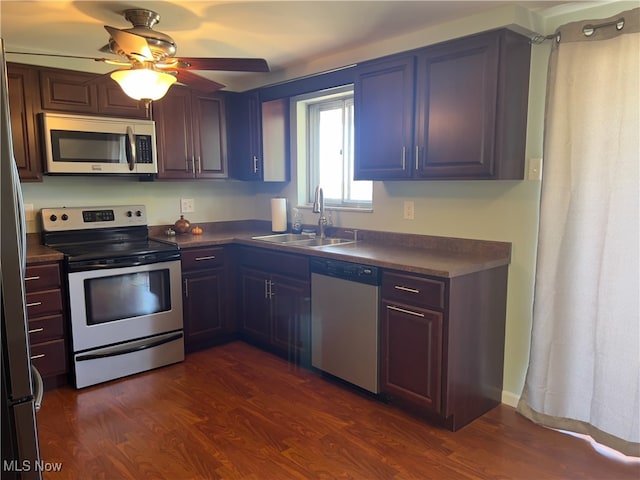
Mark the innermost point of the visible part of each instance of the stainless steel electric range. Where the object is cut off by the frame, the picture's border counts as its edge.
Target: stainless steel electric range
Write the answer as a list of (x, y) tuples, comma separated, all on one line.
[(124, 291)]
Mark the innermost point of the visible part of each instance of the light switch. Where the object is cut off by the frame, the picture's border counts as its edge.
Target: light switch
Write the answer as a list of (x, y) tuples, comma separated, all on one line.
[(534, 172)]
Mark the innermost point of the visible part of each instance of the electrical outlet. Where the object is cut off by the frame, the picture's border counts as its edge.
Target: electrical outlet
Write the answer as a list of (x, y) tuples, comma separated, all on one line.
[(409, 210), (187, 205), (534, 171), (29, 212)]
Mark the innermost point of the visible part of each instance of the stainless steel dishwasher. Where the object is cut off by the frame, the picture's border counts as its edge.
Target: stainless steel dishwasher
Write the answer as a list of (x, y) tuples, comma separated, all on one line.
[(344, 321)]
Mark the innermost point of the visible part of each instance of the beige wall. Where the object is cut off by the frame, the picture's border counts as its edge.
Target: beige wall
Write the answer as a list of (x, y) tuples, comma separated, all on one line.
[(500, 210)]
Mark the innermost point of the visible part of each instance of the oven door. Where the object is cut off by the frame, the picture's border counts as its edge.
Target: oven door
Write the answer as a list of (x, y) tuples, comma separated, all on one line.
[(115, 305)]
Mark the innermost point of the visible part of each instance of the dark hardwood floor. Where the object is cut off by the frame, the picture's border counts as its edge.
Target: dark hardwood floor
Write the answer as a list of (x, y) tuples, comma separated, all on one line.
[(234, 411)]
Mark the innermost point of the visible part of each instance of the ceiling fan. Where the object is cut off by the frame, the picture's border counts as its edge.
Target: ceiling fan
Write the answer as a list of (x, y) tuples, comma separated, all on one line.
[(149, 55)]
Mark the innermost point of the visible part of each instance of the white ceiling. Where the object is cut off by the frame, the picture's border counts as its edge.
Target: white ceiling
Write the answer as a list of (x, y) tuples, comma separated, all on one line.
[(285, 33)]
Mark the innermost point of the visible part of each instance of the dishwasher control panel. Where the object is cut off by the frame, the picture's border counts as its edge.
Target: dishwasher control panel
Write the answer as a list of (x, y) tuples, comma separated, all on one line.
[(354, 272)]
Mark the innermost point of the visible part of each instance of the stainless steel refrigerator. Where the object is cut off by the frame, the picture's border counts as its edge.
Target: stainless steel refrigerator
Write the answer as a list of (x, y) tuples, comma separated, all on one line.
[(21, 387)]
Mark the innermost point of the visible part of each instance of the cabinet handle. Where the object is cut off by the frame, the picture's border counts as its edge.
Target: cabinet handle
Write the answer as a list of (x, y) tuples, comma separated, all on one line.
[(406, 289), (268, 289), (35, 357), (404, 157), (36, 330), (402, 310), (186, 288), (32, 278), (34, 304), (255, 164), (199, 165), (208, 257), (417, 156)]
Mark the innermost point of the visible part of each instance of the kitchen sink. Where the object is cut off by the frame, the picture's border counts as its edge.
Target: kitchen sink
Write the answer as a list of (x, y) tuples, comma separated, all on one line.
[(282, 237), (320, 242), (300, 240)]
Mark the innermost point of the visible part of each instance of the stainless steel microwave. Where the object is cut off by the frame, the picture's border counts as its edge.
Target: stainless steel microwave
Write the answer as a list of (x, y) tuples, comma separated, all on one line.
[(98, 145)]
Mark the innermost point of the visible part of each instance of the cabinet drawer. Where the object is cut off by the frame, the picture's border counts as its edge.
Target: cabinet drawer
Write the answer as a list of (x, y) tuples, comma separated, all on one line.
[(413, 290), (43, 303), (42, 277), (46, 328), (196, 258), (50, 358), (275, 262)]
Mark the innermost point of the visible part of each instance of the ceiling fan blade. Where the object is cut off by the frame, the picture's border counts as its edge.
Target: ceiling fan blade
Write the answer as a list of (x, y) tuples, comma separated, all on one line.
[(58, 55), (225, 64), (131, 44), (197, 82)]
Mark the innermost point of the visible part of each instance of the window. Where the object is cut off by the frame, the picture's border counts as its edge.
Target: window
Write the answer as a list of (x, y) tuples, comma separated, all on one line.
[(326, 147)]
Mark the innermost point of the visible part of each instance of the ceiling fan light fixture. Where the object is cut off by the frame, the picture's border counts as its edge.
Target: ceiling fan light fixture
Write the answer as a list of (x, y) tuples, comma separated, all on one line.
[(144, 83)]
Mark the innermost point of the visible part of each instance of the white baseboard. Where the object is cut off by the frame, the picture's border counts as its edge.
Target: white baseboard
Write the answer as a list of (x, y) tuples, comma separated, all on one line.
[(509, 398)]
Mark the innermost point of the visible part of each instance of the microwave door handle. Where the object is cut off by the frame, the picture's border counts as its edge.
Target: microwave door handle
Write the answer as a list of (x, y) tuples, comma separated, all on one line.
[(131, 149)]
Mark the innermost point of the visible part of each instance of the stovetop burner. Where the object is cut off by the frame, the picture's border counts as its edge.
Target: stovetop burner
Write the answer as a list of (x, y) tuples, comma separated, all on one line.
[(87, 251)]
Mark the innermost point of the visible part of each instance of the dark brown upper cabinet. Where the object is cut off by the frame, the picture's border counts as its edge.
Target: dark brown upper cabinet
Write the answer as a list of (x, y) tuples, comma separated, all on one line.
[(23, 97), (192, 135), (455, 110), (86, 93), (259, 138)]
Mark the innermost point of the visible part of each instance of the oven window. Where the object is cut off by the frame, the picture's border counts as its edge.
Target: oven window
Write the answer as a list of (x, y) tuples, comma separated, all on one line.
[(127, 296)]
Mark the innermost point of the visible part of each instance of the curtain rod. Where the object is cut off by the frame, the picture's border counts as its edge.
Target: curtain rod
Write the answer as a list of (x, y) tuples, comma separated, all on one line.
[(587, 30)]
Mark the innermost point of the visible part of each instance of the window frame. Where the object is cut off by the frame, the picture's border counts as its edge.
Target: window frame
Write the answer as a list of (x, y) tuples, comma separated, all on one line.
[(308, 169)]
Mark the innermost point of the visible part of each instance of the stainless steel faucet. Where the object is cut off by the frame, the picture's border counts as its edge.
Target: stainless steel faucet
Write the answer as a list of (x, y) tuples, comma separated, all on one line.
[(318, 207)]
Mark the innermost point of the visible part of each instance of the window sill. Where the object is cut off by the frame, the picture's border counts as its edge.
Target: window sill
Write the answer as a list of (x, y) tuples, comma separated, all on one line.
[(331, 208)]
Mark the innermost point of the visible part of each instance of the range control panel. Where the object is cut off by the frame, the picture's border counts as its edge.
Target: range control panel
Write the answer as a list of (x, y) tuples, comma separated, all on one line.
[(85, 218)]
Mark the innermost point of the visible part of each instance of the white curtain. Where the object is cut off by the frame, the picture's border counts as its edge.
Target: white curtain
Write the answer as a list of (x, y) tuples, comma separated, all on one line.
[(584, 367)]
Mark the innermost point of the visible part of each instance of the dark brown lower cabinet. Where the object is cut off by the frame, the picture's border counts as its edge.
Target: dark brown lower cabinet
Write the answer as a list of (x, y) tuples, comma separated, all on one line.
[(204, 297), (275, 302), (47, 324), (412, 352), (442, 343)]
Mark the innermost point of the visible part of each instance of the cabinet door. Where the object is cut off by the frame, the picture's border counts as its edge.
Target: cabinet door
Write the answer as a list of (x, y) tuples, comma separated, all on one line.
[(113, 101), (290, 317), (274, 134), (68, 91), (457, 85), (412, 354), (203, 304), (210, 136), (383, 116), (23, 90), (242, 117), (254, 129), (174, 136), (255, 305)]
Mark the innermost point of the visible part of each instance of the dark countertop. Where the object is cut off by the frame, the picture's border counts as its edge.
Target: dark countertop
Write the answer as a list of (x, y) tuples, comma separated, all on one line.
[(38, 253), (422, 254)]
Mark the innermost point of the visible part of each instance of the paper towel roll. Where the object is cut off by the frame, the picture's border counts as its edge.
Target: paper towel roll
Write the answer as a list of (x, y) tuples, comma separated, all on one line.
[(278, 215)]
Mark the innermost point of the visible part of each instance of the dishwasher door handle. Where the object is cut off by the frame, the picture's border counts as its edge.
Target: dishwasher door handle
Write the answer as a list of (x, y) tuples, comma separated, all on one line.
[(404, 310)]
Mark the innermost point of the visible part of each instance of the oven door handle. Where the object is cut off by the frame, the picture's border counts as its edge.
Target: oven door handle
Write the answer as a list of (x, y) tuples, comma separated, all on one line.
[(116, 351)]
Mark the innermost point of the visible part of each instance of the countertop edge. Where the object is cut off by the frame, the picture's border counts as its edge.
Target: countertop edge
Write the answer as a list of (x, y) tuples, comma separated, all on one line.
[(431, 260)]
